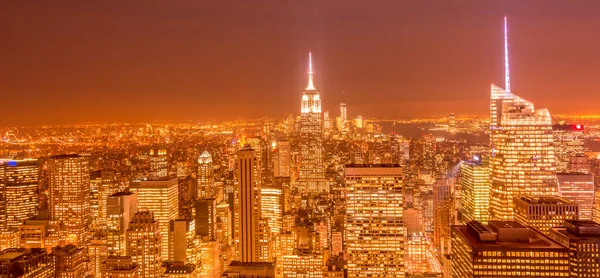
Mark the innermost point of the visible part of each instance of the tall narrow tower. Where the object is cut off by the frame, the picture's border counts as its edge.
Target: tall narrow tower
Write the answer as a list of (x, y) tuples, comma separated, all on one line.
[(247, 207), (522, 159), (312, 172)]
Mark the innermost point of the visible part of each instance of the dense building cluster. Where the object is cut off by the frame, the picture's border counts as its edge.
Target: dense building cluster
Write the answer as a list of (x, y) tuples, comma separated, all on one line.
[(304, 196)]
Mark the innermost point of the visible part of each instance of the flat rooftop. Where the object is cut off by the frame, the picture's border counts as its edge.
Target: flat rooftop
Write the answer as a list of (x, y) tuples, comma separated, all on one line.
[(537, 241)]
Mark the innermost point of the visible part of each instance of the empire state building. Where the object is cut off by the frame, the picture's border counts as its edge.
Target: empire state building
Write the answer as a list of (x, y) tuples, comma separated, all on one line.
[(312, 172)]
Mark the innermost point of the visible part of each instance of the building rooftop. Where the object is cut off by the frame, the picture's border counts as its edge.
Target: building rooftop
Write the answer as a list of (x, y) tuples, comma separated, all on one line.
[(550, 200), (371, 165), (509, 231), (122, 193)]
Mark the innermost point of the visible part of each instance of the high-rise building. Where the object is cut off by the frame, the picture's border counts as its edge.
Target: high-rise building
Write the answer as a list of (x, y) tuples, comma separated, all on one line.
[(506, 249), (312, 170), (475, 182), (579, 189), (102, 184), (181, 236), (543, 213), (119, 267), (206, 179), (583, 240), (26, 263), (69, 261), (144, 244), (568, 142), (343, 117), (69, 186), (41, 233), (224, 231), (159, 162), (443, 212), (160, 196), (206, 218), (18, 192), (374, 220), (283, 159), (120, 208), (416, 254), (522, 158), (247, 207), (271, 208), (97, 253), (452, 123)]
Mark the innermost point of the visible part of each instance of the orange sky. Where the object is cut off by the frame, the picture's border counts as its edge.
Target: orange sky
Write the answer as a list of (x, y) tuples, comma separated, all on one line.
[(198, 60)]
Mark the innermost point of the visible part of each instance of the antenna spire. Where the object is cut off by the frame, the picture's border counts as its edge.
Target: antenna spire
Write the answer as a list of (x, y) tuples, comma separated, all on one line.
[(311, 86), (506, 64)]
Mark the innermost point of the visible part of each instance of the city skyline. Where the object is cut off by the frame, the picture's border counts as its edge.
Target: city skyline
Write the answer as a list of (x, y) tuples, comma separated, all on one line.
[(188, 79)]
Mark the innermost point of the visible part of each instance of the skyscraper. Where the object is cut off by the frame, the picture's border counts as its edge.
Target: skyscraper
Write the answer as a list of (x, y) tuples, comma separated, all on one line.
[(247, 207), (543, 213), (159, 162), (18, 192), (102, 184), (475, 182), (506, 249), (144, 244), (206, 218), (120, 208), (312, 171), (69, 182), (283, 159), (374, 220), (583, 240), (271, 208), (205, 177), (160, 196), (522, 159), (344, 117), (69, 261)]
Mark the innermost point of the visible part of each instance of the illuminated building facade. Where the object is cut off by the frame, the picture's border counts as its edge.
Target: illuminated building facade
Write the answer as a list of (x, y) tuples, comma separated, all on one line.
[(312, 171), (343, 117), (247, 207), (303, 265), (374, 220), (41, 233), (224, 231), (119, 267), (271, 207), (97, 253), (210, 265), (416, 254), (26, 263), (159, 162), (579, 189), (543, 213), (568, 142), (102, 185), (18, 192), (160, 196), (522, 159), (452, 123), (505, 249), (69, 196), (475, 194), (206, 178), (144, 244), (442, 203), (120, 208), (70, 261), (583, 240), (283, 159)]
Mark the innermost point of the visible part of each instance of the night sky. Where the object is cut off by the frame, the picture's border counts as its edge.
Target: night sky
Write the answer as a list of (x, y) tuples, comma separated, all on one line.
[(78, 61)]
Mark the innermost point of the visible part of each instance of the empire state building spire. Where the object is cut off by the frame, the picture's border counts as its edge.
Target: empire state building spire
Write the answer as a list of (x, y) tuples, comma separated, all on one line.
[(311, 86)]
